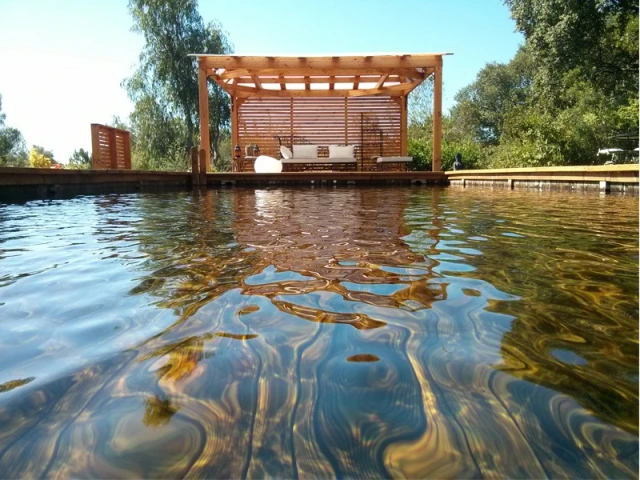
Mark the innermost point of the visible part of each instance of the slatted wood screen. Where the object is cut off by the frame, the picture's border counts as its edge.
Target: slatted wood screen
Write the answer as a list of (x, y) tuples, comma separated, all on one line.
[(371, 123), (111, 148)]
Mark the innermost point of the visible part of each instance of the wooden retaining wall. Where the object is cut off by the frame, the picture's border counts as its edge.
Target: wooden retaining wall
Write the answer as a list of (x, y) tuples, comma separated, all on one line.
[(53, 183), (606, 178)]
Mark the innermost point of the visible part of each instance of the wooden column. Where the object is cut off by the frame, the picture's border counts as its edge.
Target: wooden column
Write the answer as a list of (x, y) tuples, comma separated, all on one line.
[(203, 97), (127, 151), (436, 165), (403, 126), (235, 134), (96, 161)]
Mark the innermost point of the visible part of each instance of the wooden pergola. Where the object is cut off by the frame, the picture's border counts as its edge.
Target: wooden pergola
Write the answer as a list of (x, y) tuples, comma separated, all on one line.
[(331, 99)]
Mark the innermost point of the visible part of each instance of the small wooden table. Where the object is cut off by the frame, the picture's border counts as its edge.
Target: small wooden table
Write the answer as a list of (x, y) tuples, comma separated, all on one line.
[(243, 164)]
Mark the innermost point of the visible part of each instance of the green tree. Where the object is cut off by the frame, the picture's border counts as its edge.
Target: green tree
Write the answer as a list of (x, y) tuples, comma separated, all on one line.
[(80, 159), (599, 37), (165, 85), (481, 107), (38, 158), (13, 149)]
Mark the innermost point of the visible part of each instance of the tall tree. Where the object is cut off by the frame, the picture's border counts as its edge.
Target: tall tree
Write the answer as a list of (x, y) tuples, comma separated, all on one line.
[(165, 85), (481, 107), (599, 38), (80, 159), (13, 149)]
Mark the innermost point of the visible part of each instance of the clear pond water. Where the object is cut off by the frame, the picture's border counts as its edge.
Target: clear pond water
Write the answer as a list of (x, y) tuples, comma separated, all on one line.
[(348, 332)]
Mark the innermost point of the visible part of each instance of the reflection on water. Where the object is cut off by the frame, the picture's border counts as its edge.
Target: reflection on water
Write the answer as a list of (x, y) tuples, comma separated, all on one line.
[(320, 332)]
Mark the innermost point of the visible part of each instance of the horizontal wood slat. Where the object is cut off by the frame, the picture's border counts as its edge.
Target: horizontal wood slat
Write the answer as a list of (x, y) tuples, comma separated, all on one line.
[(371, 123), (111, 148)]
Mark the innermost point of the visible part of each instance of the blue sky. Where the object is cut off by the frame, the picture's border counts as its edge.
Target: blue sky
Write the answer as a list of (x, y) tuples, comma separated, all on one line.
[(63, 60)]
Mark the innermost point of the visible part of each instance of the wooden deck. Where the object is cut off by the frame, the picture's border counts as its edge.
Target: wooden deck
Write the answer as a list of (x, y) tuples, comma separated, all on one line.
[(623, 178), (51, 183), (326, 178)]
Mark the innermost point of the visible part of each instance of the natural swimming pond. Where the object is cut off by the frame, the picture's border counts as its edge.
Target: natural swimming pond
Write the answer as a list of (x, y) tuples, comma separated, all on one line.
[(350, 332)]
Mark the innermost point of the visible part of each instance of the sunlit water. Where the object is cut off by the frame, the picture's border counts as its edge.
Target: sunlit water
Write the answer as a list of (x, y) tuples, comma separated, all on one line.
[(406, 332)]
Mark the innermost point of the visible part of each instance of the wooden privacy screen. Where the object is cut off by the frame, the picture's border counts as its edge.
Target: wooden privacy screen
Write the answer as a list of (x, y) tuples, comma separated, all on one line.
[(372, 123), (111, 148)]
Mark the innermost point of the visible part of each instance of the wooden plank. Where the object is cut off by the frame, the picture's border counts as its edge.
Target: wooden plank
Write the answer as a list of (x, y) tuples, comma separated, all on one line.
[(348, 61), (315, 79), (96, 158), (436, 164), (113, 154), (127, 151), (203, 105), (574, 168), (342, 72), (549, 178)]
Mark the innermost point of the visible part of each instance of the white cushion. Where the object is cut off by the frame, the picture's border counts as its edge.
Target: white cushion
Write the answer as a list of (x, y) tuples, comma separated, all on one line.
[(319, 161), (264, 164), (336, 151), (305, 151), (285, 152)]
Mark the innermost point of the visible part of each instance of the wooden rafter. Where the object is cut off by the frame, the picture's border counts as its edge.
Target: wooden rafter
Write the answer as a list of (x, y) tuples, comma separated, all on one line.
[(256, 81), (315, 79), (382, 79)]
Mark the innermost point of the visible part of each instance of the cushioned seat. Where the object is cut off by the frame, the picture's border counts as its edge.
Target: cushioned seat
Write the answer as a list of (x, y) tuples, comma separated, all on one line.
[(319, 160), (394, 159), (393, 163)]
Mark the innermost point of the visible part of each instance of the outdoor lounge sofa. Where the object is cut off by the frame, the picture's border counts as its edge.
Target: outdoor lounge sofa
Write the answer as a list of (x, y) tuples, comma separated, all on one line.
[(314, 157)]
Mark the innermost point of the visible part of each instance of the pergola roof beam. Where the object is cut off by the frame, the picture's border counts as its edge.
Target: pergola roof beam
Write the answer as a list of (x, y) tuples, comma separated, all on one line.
[(345, 61)]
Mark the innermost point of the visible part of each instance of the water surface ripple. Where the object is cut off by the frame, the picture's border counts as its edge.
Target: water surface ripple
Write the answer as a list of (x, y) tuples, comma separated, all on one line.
[(347, 332)]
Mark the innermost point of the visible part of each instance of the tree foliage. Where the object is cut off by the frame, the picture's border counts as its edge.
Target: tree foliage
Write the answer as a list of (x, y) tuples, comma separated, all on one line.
[(38, 158), (164, 87), (567, 92), (13, 149), (80, 159)]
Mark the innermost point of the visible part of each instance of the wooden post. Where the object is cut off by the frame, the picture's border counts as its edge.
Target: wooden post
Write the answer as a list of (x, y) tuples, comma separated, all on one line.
[(195, 167), (96, 161), (127, 151), (203, 167), (436, 164), (235, 134), (403, 126), (203, 97)]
